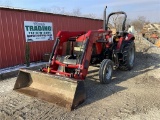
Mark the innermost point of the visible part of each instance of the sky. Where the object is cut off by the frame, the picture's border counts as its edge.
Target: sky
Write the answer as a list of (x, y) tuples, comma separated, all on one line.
[(134, 8)]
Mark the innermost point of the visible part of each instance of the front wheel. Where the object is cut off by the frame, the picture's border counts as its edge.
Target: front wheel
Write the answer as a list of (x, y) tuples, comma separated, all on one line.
[(105, 71)]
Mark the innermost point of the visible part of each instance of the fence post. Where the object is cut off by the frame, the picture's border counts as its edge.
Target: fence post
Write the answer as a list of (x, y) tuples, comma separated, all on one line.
[(27, 54)]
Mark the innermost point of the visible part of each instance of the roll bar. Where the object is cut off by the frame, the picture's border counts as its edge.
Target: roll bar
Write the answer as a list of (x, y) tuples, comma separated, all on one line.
[(105, 22)]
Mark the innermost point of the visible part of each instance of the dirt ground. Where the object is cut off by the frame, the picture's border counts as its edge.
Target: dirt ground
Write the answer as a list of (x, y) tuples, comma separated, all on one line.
[(132, 95)]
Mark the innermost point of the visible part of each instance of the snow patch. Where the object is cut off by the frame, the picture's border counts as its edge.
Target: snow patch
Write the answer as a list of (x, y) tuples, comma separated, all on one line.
[(17, 67)]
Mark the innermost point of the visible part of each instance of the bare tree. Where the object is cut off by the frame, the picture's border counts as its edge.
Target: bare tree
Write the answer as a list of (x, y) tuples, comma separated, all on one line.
[(113, 20), (116, 21), (59, 10), (54, 9), (76, 12), (45, 9), (90, 15), (139, 22), (128, 22), (6, 3)]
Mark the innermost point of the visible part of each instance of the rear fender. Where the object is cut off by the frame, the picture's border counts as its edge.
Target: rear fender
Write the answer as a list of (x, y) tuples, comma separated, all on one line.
[(130, 37)]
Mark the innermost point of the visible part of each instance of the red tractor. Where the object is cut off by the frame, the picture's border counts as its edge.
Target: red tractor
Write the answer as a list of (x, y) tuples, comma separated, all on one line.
[(62, 81)]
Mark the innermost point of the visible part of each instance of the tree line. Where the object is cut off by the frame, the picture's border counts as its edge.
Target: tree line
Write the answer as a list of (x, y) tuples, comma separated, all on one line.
[(115, 22)]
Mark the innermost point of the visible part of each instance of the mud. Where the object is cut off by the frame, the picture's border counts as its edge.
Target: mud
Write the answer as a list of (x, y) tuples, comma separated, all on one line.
[(132, 95)]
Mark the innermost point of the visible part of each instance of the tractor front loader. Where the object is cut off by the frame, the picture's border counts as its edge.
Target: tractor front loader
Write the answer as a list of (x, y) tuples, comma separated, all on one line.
[(62, 80)]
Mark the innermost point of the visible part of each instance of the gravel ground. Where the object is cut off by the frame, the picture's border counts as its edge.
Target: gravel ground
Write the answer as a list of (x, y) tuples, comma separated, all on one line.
[(132, 95)]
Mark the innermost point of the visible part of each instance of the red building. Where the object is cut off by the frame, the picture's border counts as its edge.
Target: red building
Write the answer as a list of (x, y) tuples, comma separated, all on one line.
[(12, 35)]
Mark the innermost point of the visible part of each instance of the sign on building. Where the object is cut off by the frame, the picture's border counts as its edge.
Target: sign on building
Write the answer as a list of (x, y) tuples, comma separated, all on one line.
[(38, 31)]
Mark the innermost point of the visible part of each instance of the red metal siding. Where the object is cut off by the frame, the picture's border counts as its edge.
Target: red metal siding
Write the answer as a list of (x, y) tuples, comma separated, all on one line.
[(12, 38)]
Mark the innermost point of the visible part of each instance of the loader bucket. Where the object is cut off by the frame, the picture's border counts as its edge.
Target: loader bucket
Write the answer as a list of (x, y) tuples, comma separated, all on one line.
[(65, 92)]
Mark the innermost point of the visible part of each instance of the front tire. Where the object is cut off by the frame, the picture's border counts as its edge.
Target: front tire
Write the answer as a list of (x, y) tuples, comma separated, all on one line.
[(105, 71)]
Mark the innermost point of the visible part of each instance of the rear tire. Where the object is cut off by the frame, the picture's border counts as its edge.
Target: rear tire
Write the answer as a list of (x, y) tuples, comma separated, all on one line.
[(105, 71), (128, 57)]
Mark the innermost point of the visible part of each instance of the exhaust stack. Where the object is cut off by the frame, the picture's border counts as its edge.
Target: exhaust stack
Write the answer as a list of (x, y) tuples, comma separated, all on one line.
[(104, 19)]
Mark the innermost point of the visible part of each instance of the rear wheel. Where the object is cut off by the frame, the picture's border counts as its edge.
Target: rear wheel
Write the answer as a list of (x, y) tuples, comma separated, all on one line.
[(105, 71), (128, 57)]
